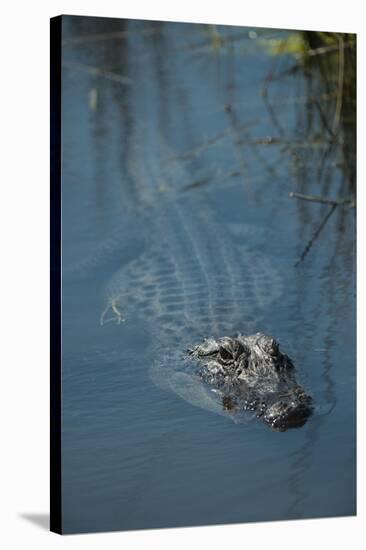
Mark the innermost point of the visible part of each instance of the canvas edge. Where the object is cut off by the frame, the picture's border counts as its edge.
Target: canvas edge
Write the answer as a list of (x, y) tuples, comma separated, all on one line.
[(55, 275)]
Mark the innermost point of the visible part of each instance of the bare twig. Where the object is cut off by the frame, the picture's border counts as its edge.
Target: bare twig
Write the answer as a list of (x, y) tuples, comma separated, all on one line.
[(328, 49), (348, 201)]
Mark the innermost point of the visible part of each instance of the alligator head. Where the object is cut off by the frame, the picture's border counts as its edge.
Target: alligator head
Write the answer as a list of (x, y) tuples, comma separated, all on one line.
[(252, 374)]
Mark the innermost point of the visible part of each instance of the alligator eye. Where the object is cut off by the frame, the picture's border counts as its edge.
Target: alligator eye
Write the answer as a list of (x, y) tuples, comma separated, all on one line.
[(239, 350), (225, 354)]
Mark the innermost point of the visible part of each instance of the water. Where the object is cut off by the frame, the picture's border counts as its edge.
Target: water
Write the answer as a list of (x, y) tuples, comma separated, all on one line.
[(157, 119)]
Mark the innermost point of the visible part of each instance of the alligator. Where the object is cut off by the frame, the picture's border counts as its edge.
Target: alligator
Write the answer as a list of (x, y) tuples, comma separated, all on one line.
[(202, 273), (252, 374)]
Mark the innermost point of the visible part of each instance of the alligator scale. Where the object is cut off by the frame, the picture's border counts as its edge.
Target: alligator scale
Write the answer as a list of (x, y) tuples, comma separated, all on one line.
[(201, 276)]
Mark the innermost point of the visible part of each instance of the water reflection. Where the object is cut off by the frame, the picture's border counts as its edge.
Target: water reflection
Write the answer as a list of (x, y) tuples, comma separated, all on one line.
[(232, 119)]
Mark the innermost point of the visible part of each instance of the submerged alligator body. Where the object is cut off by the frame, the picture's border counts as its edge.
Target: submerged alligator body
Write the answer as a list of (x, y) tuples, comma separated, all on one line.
[(202, 273), (252, 374)]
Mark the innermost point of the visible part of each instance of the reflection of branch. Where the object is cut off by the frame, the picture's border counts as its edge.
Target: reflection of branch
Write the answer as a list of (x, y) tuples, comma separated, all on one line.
[(102, 36), (323, 200), (196, 151), (350, 202), (338, 109), (234, 125), (269, 140), (323, 118), (97, 71), (267, 83), (316, 234), (203, 181), (231, 113)]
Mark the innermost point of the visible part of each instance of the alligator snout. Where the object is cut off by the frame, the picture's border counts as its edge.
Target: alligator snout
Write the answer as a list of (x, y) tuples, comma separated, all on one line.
[(288, 413)]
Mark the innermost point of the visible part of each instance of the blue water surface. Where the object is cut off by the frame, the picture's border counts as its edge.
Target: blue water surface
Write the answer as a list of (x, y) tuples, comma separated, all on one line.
[(184, 102)]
